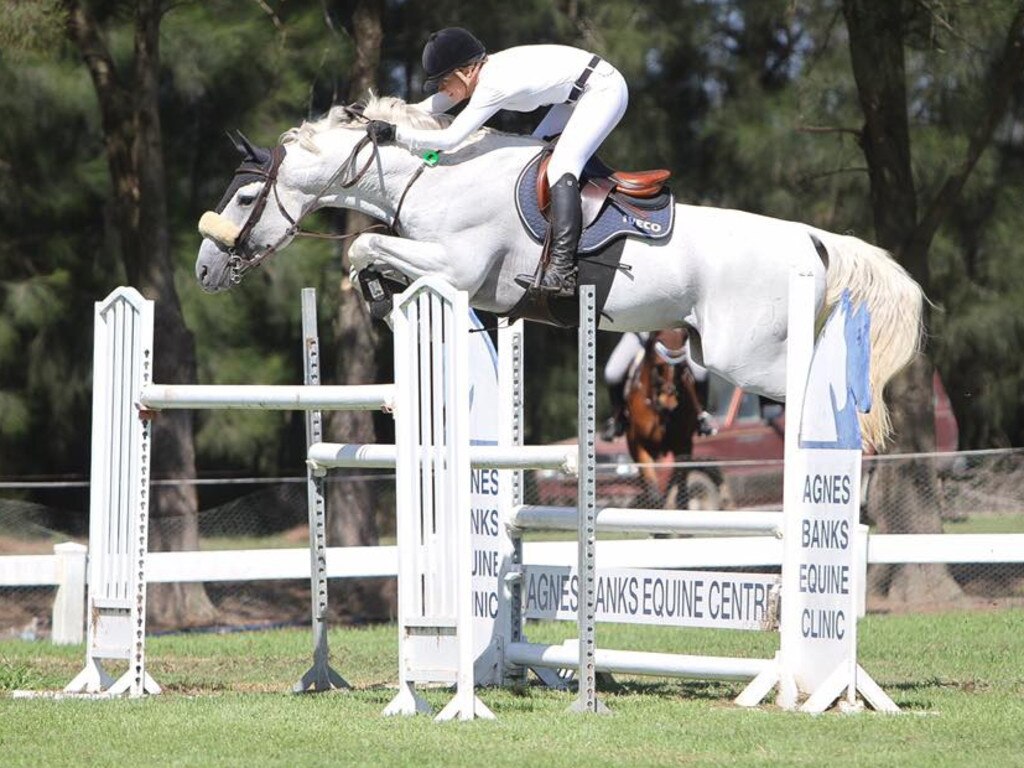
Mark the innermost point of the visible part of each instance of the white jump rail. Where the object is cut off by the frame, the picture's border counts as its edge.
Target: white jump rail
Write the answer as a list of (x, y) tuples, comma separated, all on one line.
[(651, 521), (268, 397), (324, 456)]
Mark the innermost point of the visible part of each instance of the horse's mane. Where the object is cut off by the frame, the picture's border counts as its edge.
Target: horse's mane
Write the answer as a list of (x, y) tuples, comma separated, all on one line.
[(389, 108)]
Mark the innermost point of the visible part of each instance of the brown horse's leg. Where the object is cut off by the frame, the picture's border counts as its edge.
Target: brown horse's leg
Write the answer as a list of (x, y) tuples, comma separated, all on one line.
[(651, 494), (702, 421), (690, 388), (680, 440)]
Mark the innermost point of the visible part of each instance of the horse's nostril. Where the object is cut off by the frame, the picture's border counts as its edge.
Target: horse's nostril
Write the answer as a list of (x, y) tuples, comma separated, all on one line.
[(203, 271)]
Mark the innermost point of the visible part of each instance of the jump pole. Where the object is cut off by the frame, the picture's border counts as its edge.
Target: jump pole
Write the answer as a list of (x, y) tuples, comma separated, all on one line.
[(586, 700), (320, 676)]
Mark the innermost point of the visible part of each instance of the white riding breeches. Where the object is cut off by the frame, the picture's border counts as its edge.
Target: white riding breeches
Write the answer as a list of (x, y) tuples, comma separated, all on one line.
[(585, 124), (629, 346)]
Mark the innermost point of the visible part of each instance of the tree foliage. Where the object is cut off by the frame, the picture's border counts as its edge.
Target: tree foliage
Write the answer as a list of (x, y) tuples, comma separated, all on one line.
[(751, 104)]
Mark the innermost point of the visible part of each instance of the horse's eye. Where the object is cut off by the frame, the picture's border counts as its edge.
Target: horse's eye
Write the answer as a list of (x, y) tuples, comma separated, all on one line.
[(246, 199)]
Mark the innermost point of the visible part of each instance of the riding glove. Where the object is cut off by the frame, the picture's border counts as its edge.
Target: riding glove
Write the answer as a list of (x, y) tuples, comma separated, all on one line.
[(380, 131)]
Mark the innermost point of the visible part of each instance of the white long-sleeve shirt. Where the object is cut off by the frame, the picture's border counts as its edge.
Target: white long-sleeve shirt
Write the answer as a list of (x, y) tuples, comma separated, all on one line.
[(519, 79)]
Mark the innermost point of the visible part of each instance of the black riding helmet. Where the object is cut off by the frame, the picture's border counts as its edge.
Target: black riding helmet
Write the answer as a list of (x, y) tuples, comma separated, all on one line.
[(446, 51)]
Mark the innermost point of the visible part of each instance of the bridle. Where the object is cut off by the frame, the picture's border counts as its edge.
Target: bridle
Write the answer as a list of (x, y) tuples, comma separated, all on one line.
[(241, 257)]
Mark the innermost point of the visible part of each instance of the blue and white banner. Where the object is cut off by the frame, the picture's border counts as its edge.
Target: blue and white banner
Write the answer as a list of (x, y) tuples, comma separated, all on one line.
[(838, 382)]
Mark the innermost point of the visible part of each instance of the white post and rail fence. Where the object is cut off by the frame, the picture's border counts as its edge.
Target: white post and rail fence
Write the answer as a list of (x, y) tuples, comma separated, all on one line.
[(65, 570)]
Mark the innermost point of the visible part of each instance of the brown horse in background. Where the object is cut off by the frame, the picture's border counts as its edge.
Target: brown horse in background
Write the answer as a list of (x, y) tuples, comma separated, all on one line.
[(663, 413)]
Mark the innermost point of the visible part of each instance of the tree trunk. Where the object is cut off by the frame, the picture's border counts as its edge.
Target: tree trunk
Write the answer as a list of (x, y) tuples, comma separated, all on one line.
[(903, 494), (131, 124), (352, 504), (905, 497)]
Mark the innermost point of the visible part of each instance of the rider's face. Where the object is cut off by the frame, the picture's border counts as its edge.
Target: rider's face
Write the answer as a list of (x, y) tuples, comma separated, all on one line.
[(459, 84)]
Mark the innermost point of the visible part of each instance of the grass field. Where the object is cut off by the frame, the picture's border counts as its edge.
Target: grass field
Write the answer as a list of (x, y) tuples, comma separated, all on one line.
[(959, 678)]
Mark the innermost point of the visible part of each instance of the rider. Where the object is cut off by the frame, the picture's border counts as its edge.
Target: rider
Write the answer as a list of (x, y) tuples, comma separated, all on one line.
[(620, 362), (587, 96), (615, 370)]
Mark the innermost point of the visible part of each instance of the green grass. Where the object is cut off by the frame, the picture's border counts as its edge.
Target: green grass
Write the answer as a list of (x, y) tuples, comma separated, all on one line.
[(959, 678)]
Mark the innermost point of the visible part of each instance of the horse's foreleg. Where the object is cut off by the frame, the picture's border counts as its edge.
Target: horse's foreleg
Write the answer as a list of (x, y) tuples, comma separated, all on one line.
[(701, 420), (677, 495), (648, 475), (690, 388), (412, 258)]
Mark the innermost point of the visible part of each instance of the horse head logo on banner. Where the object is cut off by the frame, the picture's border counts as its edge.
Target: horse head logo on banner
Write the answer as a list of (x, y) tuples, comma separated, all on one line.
[(838, 382)]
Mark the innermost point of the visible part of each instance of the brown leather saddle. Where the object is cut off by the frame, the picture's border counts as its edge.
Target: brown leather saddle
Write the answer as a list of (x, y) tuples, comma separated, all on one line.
[(601, 182)]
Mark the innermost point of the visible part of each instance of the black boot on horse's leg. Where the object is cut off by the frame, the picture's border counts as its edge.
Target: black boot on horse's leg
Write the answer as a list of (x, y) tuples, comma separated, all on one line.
[(566, 221), (616, 423)]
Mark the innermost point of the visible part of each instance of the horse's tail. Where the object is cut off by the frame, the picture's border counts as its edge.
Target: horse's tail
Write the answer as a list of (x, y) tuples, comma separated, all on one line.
[(895, 302)]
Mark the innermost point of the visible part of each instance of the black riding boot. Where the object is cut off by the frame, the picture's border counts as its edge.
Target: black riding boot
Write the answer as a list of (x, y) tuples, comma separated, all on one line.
[(566, 221)]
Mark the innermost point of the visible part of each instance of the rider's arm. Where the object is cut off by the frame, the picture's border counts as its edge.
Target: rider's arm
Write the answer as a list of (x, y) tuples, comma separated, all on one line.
[(476, 113), (436, 104)]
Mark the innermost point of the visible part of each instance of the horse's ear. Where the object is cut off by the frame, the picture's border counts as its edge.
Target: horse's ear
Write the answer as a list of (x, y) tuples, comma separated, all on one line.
[(250, 150), (236, 138)]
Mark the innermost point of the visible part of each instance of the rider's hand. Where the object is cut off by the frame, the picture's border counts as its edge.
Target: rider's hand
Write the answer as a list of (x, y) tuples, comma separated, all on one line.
[(380, 131)]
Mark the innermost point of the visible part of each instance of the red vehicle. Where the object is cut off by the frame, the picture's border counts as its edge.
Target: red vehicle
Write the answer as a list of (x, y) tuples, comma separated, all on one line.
[(740, 466)]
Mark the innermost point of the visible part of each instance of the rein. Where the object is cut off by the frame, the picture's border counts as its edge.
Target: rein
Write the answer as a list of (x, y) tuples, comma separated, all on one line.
[(241, 259)]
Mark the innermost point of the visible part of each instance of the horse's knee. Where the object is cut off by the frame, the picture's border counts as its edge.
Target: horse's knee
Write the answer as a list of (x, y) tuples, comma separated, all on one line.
[(362, 251)]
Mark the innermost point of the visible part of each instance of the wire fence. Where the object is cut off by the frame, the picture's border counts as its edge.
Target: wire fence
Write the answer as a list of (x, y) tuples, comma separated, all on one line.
[(973, 492)]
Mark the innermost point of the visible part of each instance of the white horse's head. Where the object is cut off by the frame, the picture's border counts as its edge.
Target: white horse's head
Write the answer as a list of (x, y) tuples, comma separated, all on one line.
[(255, 217), (273, 189)]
